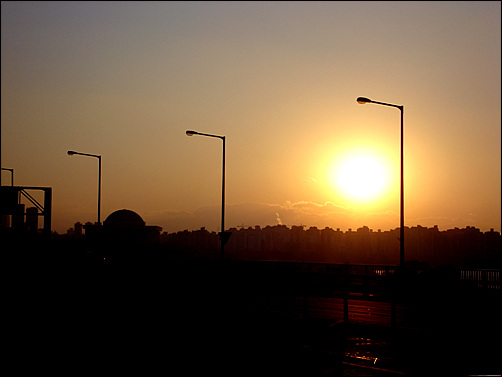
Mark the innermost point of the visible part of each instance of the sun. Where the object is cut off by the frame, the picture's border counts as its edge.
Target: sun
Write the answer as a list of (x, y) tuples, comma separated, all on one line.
[(360, 177)]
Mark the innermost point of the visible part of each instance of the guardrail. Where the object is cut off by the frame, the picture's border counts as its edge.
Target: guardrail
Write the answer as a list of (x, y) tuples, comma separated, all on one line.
[(482, 278), (424, 290)]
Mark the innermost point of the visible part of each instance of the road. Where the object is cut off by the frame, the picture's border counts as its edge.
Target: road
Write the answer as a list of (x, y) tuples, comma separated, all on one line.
[(359, 311)]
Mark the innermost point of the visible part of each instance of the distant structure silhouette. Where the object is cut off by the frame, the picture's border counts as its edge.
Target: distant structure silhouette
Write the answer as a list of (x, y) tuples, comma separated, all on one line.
[(124, 219), (20, 222), (126, 227)]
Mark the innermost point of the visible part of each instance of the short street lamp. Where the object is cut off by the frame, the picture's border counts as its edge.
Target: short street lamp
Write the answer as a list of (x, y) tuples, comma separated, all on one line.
[(71, 153), (362, 101), (11, 175)]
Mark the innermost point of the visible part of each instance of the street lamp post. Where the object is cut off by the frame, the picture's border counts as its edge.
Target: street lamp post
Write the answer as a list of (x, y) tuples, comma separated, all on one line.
[(224, 236), (11, 175), (362, 101), (71, 153)]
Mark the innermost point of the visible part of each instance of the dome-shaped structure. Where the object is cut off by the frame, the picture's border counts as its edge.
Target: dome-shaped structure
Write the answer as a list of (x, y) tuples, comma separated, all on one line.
[(125, 230), (124, 219)]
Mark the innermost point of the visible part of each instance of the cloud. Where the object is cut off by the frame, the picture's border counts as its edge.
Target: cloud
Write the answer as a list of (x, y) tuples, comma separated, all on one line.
[(172, 221), (307, 213), (449, 223), (311, 207), (250, 214), (289, 213)]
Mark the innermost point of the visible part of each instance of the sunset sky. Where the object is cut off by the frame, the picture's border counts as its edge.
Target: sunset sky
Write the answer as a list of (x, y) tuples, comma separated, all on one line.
[(279, 80)]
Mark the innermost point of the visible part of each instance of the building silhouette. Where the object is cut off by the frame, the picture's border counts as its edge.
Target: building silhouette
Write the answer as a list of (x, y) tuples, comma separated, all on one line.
[(424, 246)]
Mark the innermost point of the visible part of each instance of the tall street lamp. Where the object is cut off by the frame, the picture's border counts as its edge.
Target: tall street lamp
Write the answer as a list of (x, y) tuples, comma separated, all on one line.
[(362, 101), (224, 236), (71, 153)]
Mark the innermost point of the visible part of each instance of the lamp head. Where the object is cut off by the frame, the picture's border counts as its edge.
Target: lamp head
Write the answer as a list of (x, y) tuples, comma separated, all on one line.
[(191, 133), (71, 153), (363, 100)]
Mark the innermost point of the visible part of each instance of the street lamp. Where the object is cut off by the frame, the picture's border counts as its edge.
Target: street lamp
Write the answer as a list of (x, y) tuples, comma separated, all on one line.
[(11, 175), (362, 101), (71, 153), (224, 236)]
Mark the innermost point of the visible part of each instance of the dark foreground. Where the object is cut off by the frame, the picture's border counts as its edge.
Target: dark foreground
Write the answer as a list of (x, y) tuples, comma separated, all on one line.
[(191, 319)]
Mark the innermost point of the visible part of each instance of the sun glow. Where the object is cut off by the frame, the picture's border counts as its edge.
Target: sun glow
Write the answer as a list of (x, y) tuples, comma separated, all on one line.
[(360, 177)]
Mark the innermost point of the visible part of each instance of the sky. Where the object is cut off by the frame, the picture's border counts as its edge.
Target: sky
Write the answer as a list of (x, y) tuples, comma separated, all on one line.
[(125, 80)]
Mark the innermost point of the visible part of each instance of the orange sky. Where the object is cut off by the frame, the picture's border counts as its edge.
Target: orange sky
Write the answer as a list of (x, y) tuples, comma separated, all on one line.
[(125, 80)]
